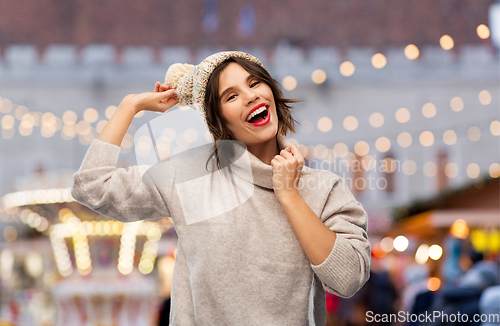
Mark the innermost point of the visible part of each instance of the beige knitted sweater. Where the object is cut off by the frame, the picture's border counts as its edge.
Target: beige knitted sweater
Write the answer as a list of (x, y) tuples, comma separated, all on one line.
[(245, 266)]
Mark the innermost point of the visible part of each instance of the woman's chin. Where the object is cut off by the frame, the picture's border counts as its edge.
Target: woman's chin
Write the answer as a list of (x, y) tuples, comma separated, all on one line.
[(265, 134)]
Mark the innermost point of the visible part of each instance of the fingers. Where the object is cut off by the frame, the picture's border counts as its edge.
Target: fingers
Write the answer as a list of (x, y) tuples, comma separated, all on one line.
[(279, 158), (296, 152), (286, 154), (159, 87), (165, 94)]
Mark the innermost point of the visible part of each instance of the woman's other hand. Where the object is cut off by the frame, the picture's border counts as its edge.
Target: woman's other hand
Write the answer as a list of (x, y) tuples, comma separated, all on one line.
[(160, 100), (287, 168)]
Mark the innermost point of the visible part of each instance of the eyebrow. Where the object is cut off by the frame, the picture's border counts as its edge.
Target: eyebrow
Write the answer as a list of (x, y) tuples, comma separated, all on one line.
[(229, 89)]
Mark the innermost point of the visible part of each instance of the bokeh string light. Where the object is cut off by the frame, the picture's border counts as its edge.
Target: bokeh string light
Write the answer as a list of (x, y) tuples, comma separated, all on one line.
[(90, 126)]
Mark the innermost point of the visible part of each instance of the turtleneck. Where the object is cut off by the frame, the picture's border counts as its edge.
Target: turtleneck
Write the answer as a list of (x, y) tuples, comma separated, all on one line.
[(261, 173)]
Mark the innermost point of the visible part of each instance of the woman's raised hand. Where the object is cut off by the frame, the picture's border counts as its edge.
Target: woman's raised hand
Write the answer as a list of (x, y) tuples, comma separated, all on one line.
[(160, 100)]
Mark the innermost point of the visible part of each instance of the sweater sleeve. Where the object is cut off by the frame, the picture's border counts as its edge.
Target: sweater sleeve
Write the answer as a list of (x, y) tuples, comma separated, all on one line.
[(117, 193), (347, 268)]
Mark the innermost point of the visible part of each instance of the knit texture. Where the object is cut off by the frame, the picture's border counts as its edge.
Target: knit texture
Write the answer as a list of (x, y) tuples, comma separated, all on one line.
[(245, 266), (190, 82)]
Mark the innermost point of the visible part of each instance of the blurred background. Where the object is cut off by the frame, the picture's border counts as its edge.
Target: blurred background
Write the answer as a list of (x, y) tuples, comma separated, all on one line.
[(401, 99)]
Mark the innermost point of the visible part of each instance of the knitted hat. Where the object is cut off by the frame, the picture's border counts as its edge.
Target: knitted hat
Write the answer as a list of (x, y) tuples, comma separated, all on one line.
[(190, 81)]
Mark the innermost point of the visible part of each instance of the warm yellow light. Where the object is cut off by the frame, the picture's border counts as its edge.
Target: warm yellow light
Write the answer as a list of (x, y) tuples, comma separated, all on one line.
[(451, 170), (484, 97), (427, 138), (83, 127), (146, 266), (9, 233), (429, 110), (401, 243), (387, 244), (495, 170), (117, 228), (479, 240), (8, 121), (22, 110), (90, 115), (494, 241), (69, 117), (376, 119), (25, 128), (473, 170), (340, 149), (450, 137), (495, 128), (379, 60), (411, 51), (433, 284), (383, 144), (154, 234), (457, 104), (347, 68), (435, 252), (459, 229), (404, 139), (69, 130), (289, 83), (430, 169), (446, 42), (5, 105), (402, 115), (125, 270), (409, 167), (318, 76), (49, 121), (65, 214), (361, 148), (325, 124), (350, 123), (422, 254), (29, 117), (483, 31), (474, 133), (389, 165)]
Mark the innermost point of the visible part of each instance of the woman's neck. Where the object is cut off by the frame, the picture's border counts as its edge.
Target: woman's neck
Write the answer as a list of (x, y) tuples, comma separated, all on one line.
[(265, 151)]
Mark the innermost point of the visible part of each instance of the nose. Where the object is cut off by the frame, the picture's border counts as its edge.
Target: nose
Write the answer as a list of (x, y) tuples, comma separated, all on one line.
[(251, 96)]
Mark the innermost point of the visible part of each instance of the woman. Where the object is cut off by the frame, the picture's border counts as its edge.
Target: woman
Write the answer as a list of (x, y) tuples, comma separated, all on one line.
[(267, 261)]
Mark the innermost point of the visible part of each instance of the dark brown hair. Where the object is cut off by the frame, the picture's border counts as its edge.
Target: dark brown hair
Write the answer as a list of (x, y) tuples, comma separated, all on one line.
[(217, 124)]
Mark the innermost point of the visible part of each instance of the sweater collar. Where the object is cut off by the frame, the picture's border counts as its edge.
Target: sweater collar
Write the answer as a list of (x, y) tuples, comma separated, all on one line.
[(261, 174)]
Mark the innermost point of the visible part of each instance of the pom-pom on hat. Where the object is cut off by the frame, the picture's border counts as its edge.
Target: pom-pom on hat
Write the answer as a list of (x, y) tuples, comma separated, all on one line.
[(190, 81)]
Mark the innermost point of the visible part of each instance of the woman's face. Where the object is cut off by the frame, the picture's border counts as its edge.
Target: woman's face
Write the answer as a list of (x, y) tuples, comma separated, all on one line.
[(240, 94)]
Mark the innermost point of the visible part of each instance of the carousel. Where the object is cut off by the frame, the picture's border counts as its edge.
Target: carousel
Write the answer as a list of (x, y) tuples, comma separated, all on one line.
[(64, 264)]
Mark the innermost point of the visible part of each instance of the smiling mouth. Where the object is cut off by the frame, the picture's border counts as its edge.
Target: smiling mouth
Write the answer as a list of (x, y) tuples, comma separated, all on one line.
[(259, 117)]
